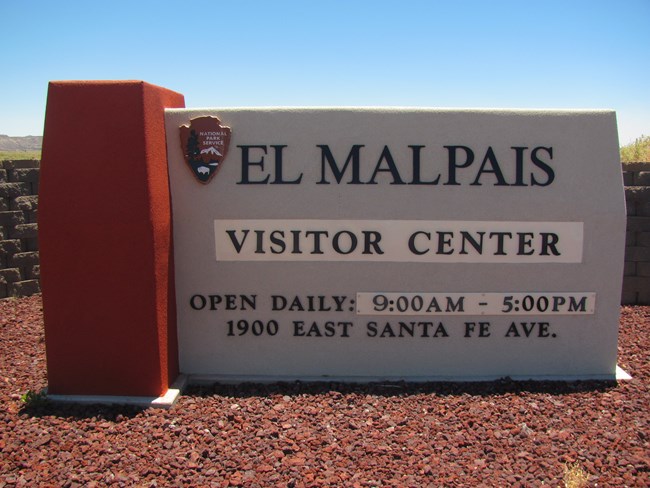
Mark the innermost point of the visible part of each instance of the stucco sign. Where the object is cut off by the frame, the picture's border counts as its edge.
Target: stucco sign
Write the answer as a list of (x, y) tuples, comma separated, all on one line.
[(366, 244)]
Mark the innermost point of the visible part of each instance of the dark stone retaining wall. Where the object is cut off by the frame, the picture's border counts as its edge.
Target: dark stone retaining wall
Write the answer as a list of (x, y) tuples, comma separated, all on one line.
[(19, 263), (636, 283)]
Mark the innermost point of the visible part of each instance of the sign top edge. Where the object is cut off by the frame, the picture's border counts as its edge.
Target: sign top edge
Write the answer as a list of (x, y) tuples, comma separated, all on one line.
[(395, 109)]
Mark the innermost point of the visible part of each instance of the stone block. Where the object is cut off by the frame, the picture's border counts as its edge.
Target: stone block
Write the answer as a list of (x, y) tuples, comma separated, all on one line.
[(26, 175), (3, 176), (630, 238), (4, 204), (24, 288), (628, 297), (24, 259), (638, 223), (26, 203), (643, 297), (643, 269), (630, 208), (11, 246), (22, 163), (637, 283), (31, 217), (642, 178), (4, 292), (13, 190), (636, 253), (4, 233), (12, 218), (10, 275), (642, 209), (628, 178), (636, 167), (30, 244), (637, 193), (24, 231), (34, 272), (642, 239), (629, 269)]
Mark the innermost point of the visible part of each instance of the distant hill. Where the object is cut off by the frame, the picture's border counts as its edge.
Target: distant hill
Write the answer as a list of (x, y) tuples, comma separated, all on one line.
[(26, 143)]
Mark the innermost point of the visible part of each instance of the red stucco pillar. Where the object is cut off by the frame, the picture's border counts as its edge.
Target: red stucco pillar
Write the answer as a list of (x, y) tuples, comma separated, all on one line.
[(105, 237)]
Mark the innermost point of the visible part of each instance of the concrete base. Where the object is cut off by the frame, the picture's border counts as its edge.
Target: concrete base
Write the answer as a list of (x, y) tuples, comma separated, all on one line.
[(165, 401), (169, 399), (619, 375)]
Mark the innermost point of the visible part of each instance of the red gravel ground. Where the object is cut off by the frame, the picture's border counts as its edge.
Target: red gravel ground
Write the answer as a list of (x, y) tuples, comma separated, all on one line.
[(498, 434)]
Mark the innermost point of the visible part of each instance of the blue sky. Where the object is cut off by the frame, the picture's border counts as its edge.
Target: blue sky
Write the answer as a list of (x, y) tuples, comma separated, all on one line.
[(513, 54)]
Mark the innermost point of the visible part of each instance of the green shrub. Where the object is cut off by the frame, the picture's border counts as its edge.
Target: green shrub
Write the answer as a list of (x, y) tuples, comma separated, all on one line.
[(636, 151), (575, 476), (17, 155), (34, 398)]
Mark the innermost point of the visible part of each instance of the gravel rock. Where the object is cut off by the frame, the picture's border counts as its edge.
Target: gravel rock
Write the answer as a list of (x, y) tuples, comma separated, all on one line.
[(499, 433)]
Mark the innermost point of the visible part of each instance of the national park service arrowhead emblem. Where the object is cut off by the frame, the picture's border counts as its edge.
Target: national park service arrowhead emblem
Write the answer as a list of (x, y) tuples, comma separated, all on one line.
[(205, 146)]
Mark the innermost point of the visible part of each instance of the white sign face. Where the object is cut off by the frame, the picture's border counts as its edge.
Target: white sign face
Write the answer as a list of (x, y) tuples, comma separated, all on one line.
[(374, 244)]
